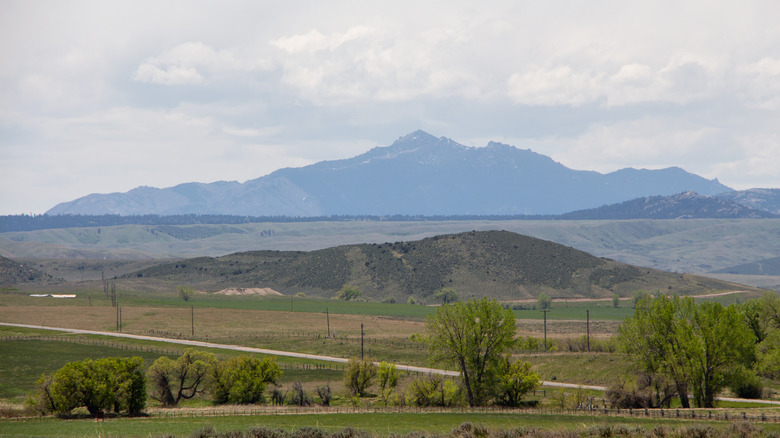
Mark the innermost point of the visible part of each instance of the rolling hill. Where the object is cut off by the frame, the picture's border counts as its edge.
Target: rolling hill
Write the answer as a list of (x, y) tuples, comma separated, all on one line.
[(499, 264)]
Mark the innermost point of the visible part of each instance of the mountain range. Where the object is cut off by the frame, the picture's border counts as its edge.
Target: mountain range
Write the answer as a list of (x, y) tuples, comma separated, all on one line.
[(418, 174)]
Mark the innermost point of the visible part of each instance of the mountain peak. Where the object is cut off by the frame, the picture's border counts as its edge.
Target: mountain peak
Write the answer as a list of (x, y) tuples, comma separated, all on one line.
[(419, 174)]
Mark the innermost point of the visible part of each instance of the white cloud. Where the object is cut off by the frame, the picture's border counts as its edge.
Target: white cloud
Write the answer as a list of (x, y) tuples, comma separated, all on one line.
[(205, 91), (180, 65), (172, 76)]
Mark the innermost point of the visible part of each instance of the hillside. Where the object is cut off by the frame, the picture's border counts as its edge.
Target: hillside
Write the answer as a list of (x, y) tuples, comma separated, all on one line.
[(759, 199), (499, 264), (14, 273), (687, 205), (418, 174), (769, 266)]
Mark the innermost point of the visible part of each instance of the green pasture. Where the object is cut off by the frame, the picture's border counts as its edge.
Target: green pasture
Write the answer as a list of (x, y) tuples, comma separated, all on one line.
[(377, 424)]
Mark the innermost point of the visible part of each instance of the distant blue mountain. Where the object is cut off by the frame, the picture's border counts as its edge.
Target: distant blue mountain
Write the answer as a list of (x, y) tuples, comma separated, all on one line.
[(688, 205), (418, 174)]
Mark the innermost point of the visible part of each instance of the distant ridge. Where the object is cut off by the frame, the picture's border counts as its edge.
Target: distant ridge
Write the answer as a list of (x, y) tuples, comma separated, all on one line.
[(418, 174), (687, 205), (759, 199)]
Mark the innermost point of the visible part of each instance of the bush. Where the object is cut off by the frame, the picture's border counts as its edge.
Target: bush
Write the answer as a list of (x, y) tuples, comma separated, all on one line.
[(277, 396), (243, 379), (746, 384), (515, 379), (325, 394), (358, 376), (433, 390), (298, 395)]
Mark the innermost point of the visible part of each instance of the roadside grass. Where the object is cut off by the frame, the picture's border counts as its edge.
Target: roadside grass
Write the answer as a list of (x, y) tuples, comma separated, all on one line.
[(376, 424), (600, 369)]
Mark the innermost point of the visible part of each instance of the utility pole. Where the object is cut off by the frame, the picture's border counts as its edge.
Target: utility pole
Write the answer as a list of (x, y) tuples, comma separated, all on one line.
[(545, 328), (327, 317), (587, 327), (291, 303), (192, 315), (361, 341)]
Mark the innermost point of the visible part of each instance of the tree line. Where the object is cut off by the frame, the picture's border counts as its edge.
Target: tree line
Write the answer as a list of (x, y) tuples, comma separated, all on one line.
[(33, 222), (681, 348)]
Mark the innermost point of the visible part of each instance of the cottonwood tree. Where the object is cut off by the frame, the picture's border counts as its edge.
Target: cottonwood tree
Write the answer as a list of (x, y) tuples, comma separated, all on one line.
[(243, 379), (100, 385), (515, 380), (174, 380), (358, 376), (695, 346), (472, 336), (388, 379)]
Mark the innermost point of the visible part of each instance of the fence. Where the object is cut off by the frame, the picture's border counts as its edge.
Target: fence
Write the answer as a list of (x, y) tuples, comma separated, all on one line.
[(96, 342), (683, 414)]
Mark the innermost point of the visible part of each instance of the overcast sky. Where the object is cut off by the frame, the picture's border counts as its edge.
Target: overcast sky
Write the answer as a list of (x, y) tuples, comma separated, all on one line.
[(105, 96)]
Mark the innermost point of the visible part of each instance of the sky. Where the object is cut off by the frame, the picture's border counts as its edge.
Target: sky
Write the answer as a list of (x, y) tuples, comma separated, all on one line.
[(102, 97)]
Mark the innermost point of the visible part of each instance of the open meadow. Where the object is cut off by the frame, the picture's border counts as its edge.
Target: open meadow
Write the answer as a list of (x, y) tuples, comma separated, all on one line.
[(391, 333)]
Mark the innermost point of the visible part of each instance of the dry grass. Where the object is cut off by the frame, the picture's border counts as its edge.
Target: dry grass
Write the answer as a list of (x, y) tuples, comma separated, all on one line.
[(211, 322)]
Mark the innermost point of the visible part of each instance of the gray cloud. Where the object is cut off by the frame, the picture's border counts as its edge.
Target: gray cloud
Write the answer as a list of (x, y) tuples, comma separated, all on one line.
[(106, 96)]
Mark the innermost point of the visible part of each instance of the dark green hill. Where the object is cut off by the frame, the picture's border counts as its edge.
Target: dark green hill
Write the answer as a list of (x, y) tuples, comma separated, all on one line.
[(499, 264)]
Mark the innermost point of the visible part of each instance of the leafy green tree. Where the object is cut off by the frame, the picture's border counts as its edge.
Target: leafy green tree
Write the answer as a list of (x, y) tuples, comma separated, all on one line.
[(615, 300), (243, 379), (183, 378), (128, 383), (721, 343), (656, 337), (388, 379), (695, 346), (185, 292), (98, 385), (349, 293), (515, 380), (751, 312), (433, 390), (768, 356), (473, 336), (770, 309), (544, 301), (358, 376), (446, 295)]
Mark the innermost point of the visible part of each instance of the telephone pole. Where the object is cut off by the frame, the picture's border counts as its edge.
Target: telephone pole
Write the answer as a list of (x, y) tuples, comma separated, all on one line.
[(587, 327), (361, 341), (545, 328)]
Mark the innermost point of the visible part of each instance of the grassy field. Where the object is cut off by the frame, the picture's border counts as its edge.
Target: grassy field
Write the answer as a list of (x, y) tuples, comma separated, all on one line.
[(377, 424), (269, 323)]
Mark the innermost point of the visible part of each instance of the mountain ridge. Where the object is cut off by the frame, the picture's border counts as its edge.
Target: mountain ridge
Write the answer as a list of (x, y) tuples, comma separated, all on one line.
[(418, 174)]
